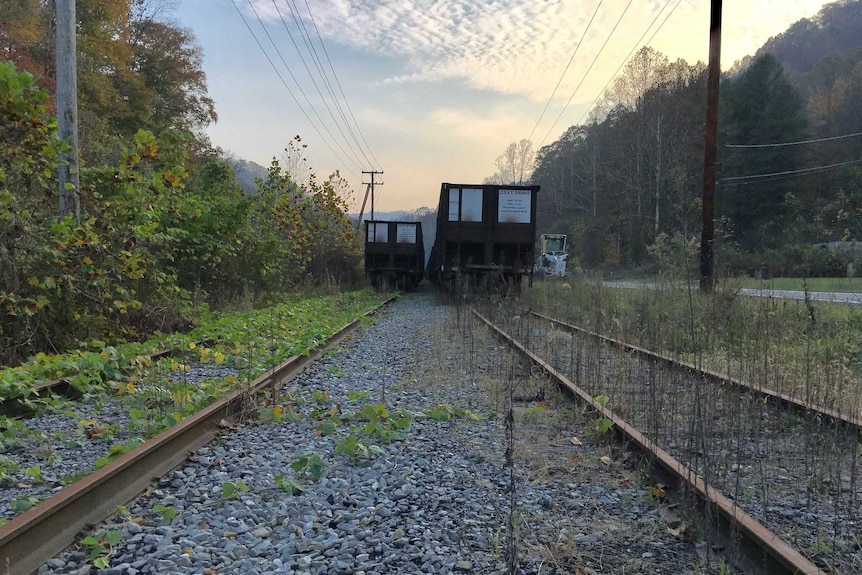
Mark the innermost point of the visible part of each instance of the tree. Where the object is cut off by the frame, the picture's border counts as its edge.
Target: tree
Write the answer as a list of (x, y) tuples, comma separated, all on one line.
[(22, 34), (168, 62), (515, 164), (28, 153), (136, 69), (760, 106)]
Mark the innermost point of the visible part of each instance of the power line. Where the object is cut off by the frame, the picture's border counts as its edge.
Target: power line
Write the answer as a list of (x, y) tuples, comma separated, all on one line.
[(586, 73), (299, 87), (782, 144), (310, 44), (577, 47), (284, 83), (779, 175), (632, 51), (334, 75), (311, 76)]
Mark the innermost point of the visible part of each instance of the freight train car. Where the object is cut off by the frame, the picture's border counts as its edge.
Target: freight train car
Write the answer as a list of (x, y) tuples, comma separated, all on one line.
[(394, 254), (485, 236)]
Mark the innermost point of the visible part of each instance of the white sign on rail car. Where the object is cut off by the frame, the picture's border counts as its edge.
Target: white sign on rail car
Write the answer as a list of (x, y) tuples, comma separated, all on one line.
[(513, 206), (406, 233)]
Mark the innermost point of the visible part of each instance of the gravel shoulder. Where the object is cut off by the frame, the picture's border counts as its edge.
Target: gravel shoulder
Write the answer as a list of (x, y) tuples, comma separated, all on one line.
[(438, 501)]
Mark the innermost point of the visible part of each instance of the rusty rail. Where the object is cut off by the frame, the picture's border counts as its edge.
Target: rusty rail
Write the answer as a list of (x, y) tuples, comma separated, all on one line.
[(15, 406), (784, 399), (776, 557), (42, 532)]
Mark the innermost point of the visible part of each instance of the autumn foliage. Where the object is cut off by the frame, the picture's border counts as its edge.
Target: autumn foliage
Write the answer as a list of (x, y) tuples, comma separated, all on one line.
[(158, 234)]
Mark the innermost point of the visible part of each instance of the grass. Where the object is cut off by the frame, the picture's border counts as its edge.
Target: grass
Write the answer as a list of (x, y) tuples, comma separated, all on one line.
[(747, 448), (809, 350)]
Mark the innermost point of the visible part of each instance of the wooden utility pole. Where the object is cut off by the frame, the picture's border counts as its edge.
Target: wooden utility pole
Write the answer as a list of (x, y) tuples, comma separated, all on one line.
[(371, 185), (707, 235), (362, 209), (67, 107)]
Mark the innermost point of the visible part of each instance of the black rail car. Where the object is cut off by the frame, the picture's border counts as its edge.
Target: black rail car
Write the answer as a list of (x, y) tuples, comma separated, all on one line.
[(394, 254), (485, 235)]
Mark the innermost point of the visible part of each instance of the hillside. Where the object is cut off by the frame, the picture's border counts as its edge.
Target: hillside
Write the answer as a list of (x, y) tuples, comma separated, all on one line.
[(836, 29)]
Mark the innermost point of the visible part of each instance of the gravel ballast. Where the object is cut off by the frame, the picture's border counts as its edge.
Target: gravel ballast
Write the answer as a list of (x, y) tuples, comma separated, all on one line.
[(438, 501)]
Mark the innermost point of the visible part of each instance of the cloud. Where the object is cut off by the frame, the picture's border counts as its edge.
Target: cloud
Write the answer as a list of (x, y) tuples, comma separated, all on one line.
[(522, 46), (508, 46)]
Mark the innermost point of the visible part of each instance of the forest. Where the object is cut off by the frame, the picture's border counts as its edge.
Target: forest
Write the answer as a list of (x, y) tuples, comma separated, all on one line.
[(627, 184), (165, 230)]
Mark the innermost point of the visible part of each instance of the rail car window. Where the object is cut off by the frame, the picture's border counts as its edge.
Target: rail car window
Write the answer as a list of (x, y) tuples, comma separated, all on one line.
[(406, 234), (471, 205), (465, 204), (378, 233), (454, 202)]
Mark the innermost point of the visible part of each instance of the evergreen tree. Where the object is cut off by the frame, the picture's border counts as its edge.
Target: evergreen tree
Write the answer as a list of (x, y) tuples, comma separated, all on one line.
[(760, 107)]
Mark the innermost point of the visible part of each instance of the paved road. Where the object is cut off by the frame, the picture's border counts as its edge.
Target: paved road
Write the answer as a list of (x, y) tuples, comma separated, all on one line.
[(837, 297)]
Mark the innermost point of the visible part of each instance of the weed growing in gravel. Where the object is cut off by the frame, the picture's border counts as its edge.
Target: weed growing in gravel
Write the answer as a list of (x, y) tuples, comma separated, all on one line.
[(100, 545), (233, 489), (34, 472), (8, 468), (309, 464), (601, 425), (288, 485), (166, 511), (445, 412), (352, 446), (24, 503), (13, 433)]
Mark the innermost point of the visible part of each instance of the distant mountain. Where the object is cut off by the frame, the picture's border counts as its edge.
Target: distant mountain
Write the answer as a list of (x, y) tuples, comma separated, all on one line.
[(836, 29), (398, 215), (246, 171)]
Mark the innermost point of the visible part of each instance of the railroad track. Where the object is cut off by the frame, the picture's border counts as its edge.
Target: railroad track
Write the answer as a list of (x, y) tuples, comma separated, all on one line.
[(778, 477), (55, 524), (63, 387)]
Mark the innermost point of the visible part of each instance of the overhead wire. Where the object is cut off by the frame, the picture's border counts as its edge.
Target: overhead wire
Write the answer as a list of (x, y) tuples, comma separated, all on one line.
[(338, 83), (599, 53), (316, 86), (280, 77), (287, 87), (788, 173), (312, 52), (299, 87), (782, 144), (324, 75), (574, 53), (632, 51)]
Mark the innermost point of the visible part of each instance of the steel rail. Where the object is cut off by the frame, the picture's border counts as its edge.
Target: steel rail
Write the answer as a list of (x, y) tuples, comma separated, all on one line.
[(14, 407), (44, 531), (783, 398), (777, 557)]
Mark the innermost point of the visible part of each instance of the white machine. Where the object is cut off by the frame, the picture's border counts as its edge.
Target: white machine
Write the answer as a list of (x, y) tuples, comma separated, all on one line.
[(552, 262)]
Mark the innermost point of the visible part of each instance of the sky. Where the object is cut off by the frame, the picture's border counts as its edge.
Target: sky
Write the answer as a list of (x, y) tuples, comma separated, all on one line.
[(432, 91)]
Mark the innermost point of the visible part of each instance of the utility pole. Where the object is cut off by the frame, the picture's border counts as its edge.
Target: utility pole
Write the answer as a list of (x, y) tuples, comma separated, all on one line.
[(707, 236), (371, 187), (67, 107), (362, 209)]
